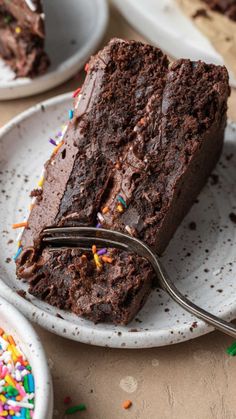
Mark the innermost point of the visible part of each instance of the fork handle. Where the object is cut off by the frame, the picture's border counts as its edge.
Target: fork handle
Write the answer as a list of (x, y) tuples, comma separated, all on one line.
[(219, 324)]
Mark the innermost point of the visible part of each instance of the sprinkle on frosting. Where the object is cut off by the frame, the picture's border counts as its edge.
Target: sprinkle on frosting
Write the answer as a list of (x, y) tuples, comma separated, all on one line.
[(122, 201), (100, 217), (119, 208), (19, 225), (52, 141), (56, 149), (97, 261), (105, 210), (77, 92), (107, 259), (71, 114), (17, 253), (18, 30), (31, 5), (128, 229), (102, 252)]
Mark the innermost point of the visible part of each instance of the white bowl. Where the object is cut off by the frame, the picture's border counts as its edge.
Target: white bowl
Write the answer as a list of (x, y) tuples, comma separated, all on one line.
[(15, 324), (74, 29)]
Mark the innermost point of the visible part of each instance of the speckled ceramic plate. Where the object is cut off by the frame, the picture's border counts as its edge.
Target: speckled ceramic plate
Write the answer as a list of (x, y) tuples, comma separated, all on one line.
[(201, 257), (74, 29), (165, 25)]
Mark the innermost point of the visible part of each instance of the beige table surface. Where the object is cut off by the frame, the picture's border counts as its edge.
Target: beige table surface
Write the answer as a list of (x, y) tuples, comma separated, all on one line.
[(192, 380)]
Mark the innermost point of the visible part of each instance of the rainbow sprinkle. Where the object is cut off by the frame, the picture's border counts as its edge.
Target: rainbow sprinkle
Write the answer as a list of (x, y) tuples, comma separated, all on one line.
[(71, 114), (102, 252), (17, 389), (20, 248), (73, 409), (122, 201), (77, 92), (52, 141), (231, 350)]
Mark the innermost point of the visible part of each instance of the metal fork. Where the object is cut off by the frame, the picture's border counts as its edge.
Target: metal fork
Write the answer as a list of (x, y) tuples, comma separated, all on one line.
[(85, 237)]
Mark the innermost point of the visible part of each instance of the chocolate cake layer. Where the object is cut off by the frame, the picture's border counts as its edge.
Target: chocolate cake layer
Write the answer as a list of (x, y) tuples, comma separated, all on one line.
[(227, 7), (140, 146), (22, 36)]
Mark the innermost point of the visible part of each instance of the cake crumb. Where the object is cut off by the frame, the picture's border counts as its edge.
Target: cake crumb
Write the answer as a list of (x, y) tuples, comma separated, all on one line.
[(214, 179), (192, 225), (232, 217), (201, 13)]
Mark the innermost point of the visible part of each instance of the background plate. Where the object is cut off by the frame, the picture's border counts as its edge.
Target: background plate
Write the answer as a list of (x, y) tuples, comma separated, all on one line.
[(201, 256), (165, 25), (74, 29)]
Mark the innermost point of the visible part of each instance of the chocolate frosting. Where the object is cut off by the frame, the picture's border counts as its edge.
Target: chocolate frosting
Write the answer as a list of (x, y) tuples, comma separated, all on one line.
[(22, 38)]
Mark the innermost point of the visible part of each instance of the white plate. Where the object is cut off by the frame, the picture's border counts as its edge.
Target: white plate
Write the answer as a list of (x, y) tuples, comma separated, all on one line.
[(74, 29), (166, 26), (13, 323), (202, 262)]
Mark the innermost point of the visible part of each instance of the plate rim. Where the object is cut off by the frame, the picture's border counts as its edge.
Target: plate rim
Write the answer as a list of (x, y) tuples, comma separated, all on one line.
[(93, 335), (29, 87)]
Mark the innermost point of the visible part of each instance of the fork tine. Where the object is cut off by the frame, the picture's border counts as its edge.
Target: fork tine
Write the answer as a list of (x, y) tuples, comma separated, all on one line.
[(83, 241), (101, 233)]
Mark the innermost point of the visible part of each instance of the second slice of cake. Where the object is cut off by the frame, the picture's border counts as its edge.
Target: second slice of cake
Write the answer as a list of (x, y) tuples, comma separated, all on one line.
[(141, 143), (22, 35)]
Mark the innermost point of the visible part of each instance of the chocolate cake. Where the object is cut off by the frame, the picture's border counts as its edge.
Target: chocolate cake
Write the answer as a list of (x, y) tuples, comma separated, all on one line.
[(227, 7), (142, 140), (22, 37)]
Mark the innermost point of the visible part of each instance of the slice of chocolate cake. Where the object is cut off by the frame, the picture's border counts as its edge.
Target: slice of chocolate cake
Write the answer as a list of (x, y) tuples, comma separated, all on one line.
[(22, 37), (141, 143)]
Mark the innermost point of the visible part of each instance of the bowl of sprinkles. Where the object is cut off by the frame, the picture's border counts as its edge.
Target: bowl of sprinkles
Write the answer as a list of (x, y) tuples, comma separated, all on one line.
[(25, 382)]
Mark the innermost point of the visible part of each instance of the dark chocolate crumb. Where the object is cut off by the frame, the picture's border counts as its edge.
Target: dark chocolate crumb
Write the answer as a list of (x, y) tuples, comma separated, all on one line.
[(214, 179), (22, 294), (201, 13), (8, 260), (166, 310), (10, 241), (59, 316), (229, 156), (192, 225), (36, 193), (232, 217)]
